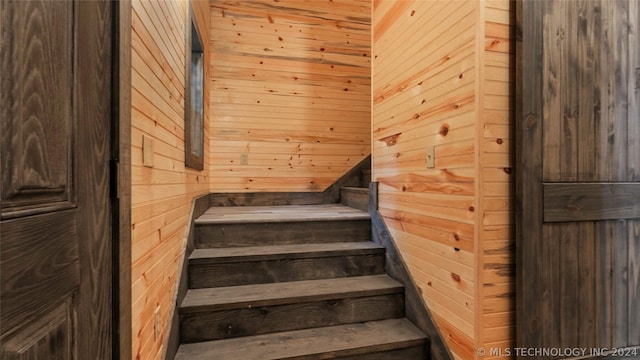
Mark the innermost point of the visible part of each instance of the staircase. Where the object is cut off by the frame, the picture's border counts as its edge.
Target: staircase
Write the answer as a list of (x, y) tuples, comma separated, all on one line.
[(292, 282)]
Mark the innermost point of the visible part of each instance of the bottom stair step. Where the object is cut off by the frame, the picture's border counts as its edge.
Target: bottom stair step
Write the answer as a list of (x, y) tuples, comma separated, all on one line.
[(380, 340)]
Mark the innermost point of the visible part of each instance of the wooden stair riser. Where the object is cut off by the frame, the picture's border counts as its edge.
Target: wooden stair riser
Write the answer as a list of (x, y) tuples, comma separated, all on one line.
[(357, 198), (247, 321), (280, 270), (412, 352), (366, 178), (281, 233)]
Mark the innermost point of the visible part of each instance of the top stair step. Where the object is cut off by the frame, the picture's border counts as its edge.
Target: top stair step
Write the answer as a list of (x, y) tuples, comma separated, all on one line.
[(282, 213), (236, 226)]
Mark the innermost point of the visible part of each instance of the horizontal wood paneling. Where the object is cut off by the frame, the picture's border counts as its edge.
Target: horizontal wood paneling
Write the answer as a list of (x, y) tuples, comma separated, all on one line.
[(424, 94), (161, 195), (290, 93), (442, 78), (496, 294)]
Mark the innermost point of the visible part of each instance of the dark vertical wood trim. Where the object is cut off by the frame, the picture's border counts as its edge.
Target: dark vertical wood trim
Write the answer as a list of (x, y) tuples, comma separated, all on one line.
[(604, 284), (620, 286), (121, 311), (93, 96), (633, 319), (191, 160), (415, 309), (528, 170)]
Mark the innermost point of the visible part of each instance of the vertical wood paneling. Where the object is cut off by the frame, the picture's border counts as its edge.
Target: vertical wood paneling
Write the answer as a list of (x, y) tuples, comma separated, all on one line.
[(442, 78), (578, 123), (290, 93), (160, 195)]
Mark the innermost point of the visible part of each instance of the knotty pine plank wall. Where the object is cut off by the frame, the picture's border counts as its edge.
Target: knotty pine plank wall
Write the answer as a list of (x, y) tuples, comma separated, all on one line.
[(441, 78), (496, 241), (291, 92), (162, 194)]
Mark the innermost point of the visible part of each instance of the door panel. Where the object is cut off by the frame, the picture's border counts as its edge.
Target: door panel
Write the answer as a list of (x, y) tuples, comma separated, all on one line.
[(578, 187), (55, 232), (38, 110)]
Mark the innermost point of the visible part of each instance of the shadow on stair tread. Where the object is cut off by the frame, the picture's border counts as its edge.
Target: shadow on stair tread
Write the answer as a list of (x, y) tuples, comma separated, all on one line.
[(316, 343)]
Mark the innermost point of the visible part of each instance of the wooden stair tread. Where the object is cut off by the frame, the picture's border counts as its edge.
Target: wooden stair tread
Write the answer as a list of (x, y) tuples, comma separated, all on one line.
[(283, 213), (233, 297), (274, 252), (342, 340)]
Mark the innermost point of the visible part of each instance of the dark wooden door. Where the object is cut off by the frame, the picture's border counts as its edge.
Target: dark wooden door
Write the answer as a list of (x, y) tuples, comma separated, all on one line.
[(55, 108), (578, 187)]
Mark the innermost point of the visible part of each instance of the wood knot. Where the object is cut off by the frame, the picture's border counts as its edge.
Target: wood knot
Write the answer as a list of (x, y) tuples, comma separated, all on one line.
[(499, 141), (507, 170), (444, 130), (456, 237), (530, 121), (572, 208), (472, 209), (455, 277), (391, 140), (534, 325), (413, 12)]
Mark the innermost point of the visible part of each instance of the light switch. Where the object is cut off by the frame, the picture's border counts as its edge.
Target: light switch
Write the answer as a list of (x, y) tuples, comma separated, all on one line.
[(431, 157), (147, 151)]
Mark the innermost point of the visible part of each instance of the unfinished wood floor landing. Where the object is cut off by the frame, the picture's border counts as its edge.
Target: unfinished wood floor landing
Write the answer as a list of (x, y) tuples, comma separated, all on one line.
[(282, 213)]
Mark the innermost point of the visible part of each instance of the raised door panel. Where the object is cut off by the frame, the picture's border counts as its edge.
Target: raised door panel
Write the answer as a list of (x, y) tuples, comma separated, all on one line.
[(50, 337), (37, 105)]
